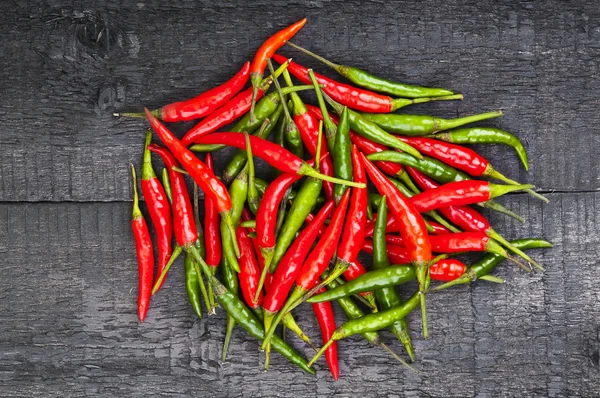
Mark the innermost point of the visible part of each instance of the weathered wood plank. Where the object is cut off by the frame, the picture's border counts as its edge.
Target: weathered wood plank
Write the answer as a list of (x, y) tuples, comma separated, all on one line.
[(66, 67), (68, 324)]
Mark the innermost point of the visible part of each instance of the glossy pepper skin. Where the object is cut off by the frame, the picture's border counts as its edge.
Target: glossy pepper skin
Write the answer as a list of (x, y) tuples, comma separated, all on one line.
[(447, 270), (378, 84), (461, 193), (202, 175), (418, 125), (266, 51), (192, 285), (212, 233), (158, 208), (326, 320), (143, 247), (292, 261), (228, 112), (249, 270), (276, 156), (205, 103), (485, 135), (342, 154), (354, 228), (387, 297)]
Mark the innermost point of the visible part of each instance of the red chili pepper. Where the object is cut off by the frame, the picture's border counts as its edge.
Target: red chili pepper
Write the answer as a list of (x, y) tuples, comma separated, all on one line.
[(143, 246), (323, 252), (266, 216), (212, 226), (392, 226), (355, 98), (412, 229), (278, 157), (365, 145), (396, 254), (184, 224), (412, 226), (266, 51), (246, 216), (461, 193), (452, 243), (466, 217), (158, 207), (292, 261), (309, 132), (354, 228), (201, 174), (249, 270), (227, 113), (447, 269), (326, 319), (205, 103)]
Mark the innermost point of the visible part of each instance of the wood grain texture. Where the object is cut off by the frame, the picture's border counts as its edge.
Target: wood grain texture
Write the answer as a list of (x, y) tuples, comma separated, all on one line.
[(67, 299)]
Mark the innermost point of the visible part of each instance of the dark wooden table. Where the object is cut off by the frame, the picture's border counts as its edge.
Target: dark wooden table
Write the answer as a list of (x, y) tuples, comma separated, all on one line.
[(68, 324)]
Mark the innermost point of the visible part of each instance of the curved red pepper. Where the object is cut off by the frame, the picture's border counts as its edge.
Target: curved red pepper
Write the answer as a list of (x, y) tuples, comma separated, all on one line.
[(354, 228), (412, 225), (292, 261), (246, 216), (452, 194), (212, 226), (451, 243), (396, 254), (309, 131), (326, 319), (392, 226), (457, 156), (205, 103), (184, 224), (353, 97), (319, 257), (249, 270), (203, 176)]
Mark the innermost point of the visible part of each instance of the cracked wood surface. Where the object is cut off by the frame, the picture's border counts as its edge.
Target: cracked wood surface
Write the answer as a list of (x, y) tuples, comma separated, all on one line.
[(67, 311)]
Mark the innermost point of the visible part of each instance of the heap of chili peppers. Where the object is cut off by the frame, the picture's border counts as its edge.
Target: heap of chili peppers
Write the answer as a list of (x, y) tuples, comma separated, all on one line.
[(298, 238)]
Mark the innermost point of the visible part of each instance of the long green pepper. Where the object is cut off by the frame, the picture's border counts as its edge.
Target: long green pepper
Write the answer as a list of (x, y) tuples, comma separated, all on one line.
[(387, 297), (233, 285), (342, 155), (238, 191)]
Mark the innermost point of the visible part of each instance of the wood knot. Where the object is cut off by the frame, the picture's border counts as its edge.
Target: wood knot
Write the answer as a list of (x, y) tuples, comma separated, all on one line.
[(96, 34)]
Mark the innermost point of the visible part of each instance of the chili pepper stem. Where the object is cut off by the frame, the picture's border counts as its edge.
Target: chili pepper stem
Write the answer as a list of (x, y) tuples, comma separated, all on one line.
[(306, 170), (398, 103), (493, 173), (403, 176), (159, 281), (268, 256), (493, 205), (442, 221), (422, 271), (496, 236), (289, 305), (157, 113), (321, 351), (491, 278), (255, 78), (338, 68), (290, 323), (340, 267), (397, 357), (228, 333), (369, 297)]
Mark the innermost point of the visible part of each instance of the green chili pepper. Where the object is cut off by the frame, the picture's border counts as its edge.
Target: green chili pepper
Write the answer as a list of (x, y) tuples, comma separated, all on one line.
[(238, 191), (330, 127), (482, 268), (371, 323), (417, 125), (231, 280), (192, 286), (303, 204), (375, 83), (248, 320), (342, 154), (167, 184), (485, 135), (281, 213), (208, 297), (387, 297), (429, 166), (253, 196), (370, 130), (379, 278)]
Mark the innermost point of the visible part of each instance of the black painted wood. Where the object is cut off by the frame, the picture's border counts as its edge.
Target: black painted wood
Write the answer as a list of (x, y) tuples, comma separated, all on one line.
[(67, 308)]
